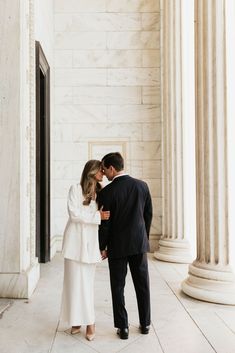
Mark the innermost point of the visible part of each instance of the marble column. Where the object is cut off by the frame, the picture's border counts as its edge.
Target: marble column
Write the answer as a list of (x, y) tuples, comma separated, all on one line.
[(19, 268), (211, 275), (173, 246)]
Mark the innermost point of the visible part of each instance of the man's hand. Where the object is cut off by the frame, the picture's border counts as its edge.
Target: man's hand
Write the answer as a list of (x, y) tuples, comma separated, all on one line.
[(103, 254)]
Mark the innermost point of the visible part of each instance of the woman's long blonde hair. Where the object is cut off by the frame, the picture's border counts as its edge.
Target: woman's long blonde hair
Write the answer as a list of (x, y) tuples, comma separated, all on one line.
[(88, 179)]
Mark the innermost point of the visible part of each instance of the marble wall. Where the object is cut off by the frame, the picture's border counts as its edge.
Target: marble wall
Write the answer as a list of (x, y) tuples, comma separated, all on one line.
[(44, 30), (107, 94), (22, 22), (10, 138), (44, 33), (19, 270)]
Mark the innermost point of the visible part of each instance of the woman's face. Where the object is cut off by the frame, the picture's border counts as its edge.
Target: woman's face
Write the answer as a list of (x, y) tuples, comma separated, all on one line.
[(99, 175)]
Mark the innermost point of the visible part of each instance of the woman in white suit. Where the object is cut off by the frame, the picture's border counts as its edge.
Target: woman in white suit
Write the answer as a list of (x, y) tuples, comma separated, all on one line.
[(81, 250)]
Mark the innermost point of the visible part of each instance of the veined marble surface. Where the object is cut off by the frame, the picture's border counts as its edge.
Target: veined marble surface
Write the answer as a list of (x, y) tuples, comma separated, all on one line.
[(177, 320), (10, 138), (107, 91)]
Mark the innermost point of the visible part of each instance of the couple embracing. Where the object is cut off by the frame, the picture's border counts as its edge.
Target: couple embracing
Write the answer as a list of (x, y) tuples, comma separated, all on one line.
[(114, 223)]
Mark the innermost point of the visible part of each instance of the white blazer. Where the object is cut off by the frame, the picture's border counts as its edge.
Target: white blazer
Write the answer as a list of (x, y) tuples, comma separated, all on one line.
[(80, 240)]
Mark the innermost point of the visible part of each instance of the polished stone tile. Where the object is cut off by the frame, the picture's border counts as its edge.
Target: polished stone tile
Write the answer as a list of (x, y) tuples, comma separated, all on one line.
[(80, 77), (151, 21), (63, 58), (124, 58), (80, 40), (179, 323), (107, 95), (70, 114), (63, 95), (133, 40), (145, 344), (4, 305), (152, 132), (139, 113), (151, 95), (133, 77), (133, 6), (107, 78), (68, 151), (145, 150), (73, 6), (69, 344), (99, 22), (151, 58), (30, 325), (215, 330)]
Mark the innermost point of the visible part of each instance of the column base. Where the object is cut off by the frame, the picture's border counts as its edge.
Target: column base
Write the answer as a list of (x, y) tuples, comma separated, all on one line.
[(209, 284), (56, 244), (19, 285), (154, 241), (174, 251)]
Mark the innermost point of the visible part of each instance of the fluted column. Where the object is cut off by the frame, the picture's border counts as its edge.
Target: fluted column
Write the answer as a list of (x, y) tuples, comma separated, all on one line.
[(211, 277), (173, 246)]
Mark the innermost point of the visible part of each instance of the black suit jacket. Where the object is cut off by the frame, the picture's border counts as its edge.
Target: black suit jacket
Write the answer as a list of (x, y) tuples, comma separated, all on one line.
[(127, 231)]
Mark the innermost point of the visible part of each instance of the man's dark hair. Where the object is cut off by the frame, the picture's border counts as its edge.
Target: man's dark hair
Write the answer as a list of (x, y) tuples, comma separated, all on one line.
[(114, 159)]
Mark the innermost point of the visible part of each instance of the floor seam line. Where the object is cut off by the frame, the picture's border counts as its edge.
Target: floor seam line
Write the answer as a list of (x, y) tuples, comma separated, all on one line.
[(185, 309)]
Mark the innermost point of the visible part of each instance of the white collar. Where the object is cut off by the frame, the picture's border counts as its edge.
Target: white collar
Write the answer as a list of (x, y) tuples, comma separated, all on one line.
[(119, 175)]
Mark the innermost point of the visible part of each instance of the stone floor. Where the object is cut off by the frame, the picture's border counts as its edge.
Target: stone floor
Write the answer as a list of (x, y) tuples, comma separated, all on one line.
[(179, 323)]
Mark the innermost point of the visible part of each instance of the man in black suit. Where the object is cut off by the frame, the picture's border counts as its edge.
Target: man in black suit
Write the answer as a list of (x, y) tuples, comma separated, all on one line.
[(124, 239)]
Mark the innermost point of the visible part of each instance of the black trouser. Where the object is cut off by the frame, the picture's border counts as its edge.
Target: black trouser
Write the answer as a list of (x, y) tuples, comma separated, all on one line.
[(139, 271)]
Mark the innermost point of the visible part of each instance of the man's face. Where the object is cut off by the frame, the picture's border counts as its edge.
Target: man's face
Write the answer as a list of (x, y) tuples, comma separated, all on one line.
[(108, 172)]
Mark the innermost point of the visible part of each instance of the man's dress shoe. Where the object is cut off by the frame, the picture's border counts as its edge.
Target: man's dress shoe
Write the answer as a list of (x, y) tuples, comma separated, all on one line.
[(123, 333), (144, 330)]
